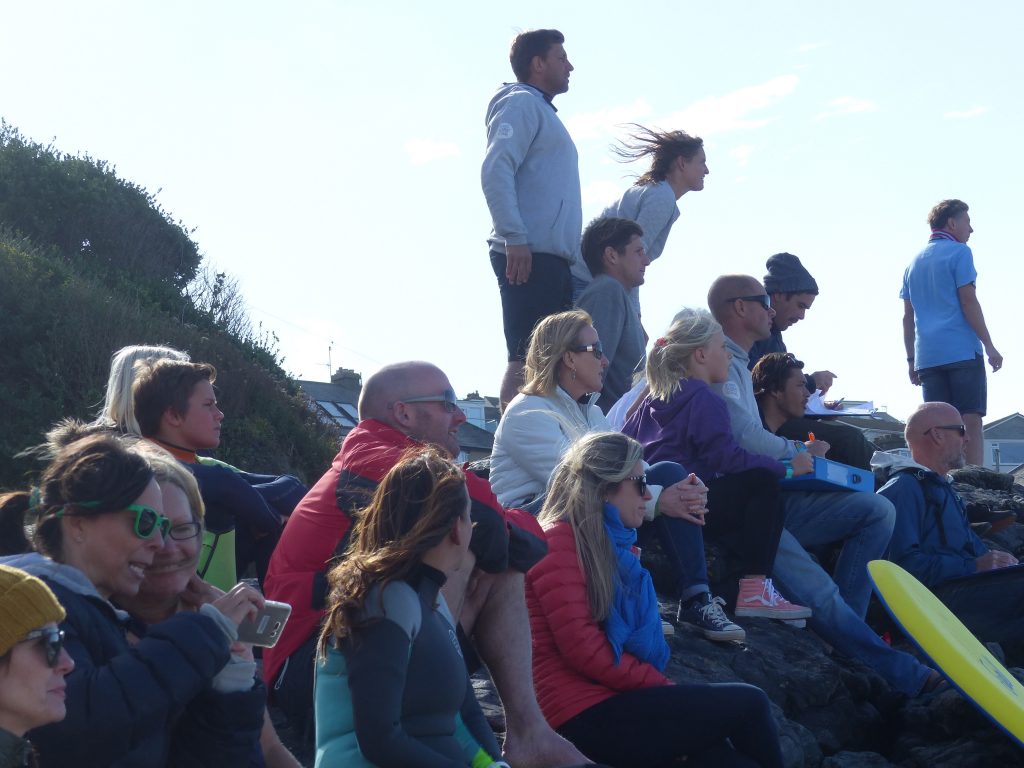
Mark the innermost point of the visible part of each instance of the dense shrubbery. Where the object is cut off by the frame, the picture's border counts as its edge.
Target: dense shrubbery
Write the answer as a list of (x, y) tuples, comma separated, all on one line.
[(90, 263)]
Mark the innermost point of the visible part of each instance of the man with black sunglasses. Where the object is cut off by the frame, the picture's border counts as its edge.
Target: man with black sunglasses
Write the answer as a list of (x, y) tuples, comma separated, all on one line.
[(933, 539), (613, 250), (403, 406), (861, 522)]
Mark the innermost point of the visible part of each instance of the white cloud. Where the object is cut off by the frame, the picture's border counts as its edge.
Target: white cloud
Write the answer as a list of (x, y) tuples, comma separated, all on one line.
[(731, 112), (967, 114), (603, 124), (741, 154), (848, 105), (602, 192), (423, 151), (808, 47)]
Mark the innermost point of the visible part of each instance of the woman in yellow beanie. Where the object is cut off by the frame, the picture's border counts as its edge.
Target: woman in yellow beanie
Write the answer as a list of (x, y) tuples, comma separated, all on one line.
[(33, 663)]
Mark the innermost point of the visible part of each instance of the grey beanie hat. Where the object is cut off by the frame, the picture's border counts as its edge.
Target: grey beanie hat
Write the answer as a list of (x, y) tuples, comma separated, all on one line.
[(787, 275)]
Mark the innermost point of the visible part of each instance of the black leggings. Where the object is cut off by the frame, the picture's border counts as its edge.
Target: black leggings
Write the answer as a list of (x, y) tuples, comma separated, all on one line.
[(728, 725), (746, 516)]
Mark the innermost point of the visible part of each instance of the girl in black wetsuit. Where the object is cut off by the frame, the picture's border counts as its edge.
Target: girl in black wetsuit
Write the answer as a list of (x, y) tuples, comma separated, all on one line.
[(391, 686)]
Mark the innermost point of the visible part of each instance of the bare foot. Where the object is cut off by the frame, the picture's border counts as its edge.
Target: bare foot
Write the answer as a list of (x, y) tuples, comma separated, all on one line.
[(544, 749)]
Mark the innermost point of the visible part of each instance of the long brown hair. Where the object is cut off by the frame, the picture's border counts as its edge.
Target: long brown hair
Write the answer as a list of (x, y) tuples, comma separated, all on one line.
[(415, 506)]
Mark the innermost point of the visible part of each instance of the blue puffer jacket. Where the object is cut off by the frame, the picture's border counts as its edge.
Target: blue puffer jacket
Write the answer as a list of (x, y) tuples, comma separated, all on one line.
[(932, 538), (144, 705)]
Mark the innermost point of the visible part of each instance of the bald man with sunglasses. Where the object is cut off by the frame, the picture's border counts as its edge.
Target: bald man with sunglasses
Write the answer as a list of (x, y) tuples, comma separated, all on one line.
[(934, 541)]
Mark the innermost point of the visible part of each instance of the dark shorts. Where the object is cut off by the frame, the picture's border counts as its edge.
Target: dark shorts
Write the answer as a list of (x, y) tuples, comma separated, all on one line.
[(961, 384), (547, 291)]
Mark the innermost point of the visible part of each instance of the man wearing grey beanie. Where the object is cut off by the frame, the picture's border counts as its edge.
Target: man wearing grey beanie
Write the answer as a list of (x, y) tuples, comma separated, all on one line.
[(792, 290)]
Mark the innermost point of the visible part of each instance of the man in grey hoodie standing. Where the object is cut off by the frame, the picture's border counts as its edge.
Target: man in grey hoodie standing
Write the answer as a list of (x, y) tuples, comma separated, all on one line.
[(530, 178)]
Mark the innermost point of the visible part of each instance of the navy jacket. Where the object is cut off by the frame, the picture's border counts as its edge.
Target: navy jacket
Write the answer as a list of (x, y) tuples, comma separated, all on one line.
[(932, 538), (145, 705)]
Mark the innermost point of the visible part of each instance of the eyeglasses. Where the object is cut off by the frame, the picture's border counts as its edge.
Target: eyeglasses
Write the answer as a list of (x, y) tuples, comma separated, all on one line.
[(52, 642), (595, 349), (184, 531), (147, 519), (448, 398), (641, 483), (763, 299), (960, 428)]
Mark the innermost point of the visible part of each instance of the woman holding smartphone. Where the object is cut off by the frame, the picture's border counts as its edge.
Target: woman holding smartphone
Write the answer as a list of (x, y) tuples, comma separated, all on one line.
[(98, 524)]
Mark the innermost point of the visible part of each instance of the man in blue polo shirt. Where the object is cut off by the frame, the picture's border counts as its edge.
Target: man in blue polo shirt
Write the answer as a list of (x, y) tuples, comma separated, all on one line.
[(943, 326)]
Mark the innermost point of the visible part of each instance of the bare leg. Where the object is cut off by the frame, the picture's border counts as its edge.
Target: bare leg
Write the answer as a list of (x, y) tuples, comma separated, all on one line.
[(975, 448), (511, 382), (275, 754), (495, 614)]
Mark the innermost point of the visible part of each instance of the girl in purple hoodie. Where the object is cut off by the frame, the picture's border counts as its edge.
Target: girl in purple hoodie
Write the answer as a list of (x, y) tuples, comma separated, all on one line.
[(682, 419)]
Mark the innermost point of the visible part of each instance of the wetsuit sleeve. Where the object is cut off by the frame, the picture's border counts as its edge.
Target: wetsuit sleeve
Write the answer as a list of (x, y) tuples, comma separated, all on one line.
[(226, 490), (478, 736), (377, 668)]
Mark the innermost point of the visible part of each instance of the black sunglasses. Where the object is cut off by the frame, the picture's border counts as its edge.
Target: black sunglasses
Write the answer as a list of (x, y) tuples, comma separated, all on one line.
[(641, 483), (763, 299), (595, 349), (962, 429), (52, 642), (448, 398)]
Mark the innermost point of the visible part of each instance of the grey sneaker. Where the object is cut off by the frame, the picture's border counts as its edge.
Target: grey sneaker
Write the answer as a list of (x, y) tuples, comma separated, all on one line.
[(706, 613)]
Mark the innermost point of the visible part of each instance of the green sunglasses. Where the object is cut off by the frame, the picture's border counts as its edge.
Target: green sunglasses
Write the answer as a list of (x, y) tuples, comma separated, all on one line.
[(147, 519)]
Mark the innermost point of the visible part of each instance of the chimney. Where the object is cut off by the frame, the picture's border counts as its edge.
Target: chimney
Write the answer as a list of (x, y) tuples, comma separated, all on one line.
[(348, 377)]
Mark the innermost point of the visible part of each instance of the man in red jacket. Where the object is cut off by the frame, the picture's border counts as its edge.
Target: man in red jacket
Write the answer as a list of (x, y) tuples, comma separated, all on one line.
[(401, 406)]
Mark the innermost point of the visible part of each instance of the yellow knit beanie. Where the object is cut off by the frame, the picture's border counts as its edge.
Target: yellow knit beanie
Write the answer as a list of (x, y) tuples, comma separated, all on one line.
[(26, 603)]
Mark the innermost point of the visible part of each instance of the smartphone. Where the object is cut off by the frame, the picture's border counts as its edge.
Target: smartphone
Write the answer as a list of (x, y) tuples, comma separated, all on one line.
[(265, 629)]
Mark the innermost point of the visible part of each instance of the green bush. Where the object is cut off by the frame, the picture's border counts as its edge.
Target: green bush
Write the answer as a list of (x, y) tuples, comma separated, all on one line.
[(91, 263)]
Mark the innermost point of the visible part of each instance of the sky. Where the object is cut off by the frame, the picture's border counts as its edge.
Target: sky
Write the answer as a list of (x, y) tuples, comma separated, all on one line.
[(328, 155)]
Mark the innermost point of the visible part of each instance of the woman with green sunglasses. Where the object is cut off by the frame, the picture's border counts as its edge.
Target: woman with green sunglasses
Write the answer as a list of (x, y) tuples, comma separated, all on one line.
[(97, 524)]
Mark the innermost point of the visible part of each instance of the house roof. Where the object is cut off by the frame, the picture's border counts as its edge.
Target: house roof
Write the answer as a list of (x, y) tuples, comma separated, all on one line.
[(472, 438), (339, 401), (1007, 428)]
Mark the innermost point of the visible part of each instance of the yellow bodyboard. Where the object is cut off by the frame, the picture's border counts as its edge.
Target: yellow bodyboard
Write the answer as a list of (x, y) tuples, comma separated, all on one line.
[(958, 654)]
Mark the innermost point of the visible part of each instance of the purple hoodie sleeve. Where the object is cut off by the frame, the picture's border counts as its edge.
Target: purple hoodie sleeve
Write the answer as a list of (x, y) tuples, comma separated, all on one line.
[(711, 433), (694, 429)]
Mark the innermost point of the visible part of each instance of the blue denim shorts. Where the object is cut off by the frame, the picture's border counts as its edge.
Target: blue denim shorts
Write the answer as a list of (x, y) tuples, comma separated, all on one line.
[(962, 384)]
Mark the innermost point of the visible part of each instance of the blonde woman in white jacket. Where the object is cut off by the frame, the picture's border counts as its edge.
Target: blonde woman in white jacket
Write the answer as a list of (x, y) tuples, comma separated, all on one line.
[(565, 368)]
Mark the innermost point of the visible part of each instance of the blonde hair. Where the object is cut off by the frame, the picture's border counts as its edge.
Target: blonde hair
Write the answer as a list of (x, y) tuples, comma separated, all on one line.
[(670, 356), (118, 404), (592, 468), (551, 338)]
